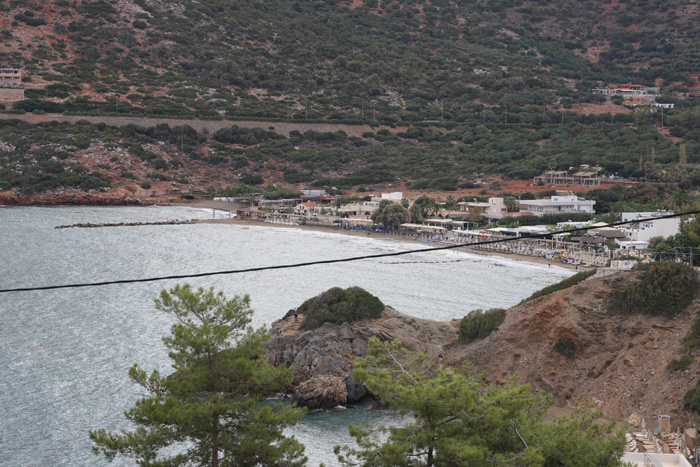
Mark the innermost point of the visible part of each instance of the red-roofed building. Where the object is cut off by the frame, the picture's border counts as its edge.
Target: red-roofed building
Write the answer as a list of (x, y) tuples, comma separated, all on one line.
[(305, 209)]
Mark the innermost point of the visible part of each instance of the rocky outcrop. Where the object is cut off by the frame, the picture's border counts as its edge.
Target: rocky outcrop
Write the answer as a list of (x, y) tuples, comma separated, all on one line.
[(321, 392), (322, 361), (72, 196), (323, 358), (620, 362)]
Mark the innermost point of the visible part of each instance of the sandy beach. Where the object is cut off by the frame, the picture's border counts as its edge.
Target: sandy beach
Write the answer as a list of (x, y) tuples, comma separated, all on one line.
[(230, 207)]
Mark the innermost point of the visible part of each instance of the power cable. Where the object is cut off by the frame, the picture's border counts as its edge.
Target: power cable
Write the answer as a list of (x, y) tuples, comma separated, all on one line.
[(333, 261)]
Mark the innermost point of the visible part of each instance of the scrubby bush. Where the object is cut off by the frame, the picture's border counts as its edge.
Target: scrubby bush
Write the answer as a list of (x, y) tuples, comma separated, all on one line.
[(666, 289), (479, 324), (565, 284), (566, 347), (691, 400), (691, 341), (337, 305), (680, 364)]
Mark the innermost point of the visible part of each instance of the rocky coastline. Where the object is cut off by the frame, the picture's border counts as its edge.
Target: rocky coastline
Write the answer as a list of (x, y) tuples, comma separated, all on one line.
[(620, 365), (73, 197), (323, 358)]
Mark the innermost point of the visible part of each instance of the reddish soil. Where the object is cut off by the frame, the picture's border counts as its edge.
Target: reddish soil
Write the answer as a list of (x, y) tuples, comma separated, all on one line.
[(597, 109), (620, 362)]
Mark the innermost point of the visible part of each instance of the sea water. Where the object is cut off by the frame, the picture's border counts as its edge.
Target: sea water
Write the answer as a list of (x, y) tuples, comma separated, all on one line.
[(64, 354)]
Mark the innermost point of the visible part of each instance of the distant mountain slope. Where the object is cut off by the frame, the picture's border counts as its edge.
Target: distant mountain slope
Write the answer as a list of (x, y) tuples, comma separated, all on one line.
[(410, 60), (496, 87)]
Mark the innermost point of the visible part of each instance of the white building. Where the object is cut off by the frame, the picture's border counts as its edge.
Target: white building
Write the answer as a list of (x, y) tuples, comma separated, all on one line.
[(646, 230), (563, 202), (366, 208), (395, 196), (494, 209)]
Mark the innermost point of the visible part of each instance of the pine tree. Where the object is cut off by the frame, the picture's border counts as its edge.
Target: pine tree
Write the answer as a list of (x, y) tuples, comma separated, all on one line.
[(208, 411), (459, 419)]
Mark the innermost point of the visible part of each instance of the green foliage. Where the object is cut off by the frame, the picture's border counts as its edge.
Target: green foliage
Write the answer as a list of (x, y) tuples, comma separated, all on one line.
[(666, 289), (480, 100), (566, 347), (244, 136), (391, 215), (280, 193), (337, 305), (680, 364), (691, 341), (251, 179), (479, 324), (208, 411), (565, 284), (691, 399), (459, 419)]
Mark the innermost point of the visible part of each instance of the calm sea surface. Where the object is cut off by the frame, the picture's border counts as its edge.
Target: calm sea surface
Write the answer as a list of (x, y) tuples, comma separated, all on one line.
[(64, 354)]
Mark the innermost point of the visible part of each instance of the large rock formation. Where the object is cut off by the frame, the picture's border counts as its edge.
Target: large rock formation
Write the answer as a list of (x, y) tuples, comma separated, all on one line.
[(620, 362), (323, 358)]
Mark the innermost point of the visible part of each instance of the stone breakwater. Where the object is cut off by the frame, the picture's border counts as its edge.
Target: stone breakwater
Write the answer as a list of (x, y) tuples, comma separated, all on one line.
[(124, 224)]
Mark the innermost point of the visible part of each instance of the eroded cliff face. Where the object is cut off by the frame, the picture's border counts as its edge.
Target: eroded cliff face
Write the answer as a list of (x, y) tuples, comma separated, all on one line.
[(620, 362)]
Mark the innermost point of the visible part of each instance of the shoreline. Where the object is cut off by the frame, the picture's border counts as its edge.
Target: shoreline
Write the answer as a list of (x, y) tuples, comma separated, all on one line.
[(226, 206)]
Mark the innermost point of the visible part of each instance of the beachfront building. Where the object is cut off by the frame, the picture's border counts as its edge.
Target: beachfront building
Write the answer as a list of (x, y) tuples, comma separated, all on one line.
[(563, 202), (646, 230), (305, 209), (366, 208), (495, 208), (317, 196), (278, 204)]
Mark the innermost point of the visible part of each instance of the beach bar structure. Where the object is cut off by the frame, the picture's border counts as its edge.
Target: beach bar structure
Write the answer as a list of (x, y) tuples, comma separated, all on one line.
[(425, 232), (354, 223), (448, 224)]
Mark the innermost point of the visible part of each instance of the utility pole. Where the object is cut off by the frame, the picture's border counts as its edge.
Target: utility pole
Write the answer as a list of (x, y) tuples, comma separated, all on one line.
[(307, 108)]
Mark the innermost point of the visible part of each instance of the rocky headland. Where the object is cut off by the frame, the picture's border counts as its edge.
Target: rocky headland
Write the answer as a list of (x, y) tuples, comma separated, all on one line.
[(620, 362)]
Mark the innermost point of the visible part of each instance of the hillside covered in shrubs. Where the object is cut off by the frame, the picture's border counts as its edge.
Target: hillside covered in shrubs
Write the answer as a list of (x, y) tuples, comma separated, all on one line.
[(461, 88)]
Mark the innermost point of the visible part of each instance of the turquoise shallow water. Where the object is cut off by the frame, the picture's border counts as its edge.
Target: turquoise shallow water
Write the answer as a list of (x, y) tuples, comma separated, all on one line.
[(64, 354)]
